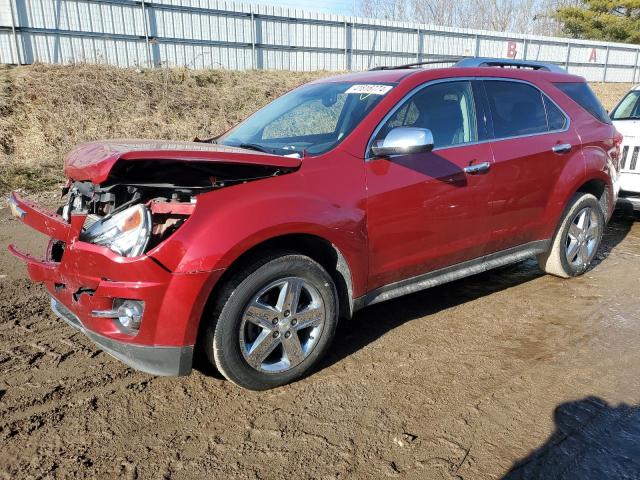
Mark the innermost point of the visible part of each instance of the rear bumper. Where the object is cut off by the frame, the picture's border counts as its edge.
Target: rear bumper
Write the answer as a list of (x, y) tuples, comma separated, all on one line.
[(89, 278), (629, 182), (154, 360)]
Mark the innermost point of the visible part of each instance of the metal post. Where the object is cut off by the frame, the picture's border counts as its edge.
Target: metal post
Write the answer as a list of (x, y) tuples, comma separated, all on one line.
[(146, 34), (566, 63), (346, 54), (526, 48), (635, 67), (477, 54), (15, 35), (253, 41), (606, 65), (419, 47), (348, 47)]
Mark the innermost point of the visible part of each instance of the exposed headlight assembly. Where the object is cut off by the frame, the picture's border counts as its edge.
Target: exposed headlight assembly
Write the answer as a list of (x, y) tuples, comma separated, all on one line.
[(126, 232)]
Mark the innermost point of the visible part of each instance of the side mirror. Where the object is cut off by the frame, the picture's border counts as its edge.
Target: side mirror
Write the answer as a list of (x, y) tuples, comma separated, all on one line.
[(404, 140)]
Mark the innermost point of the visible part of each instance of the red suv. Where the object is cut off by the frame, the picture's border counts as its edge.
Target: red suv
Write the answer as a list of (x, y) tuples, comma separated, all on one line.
[(345, 192)]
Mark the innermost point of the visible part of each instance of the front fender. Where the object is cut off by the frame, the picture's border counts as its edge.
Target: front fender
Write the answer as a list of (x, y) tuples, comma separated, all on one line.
[(228, 222)]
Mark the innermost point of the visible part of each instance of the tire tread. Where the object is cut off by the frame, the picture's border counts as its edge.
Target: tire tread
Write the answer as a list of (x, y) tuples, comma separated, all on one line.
[(216, 338), (552, 260)]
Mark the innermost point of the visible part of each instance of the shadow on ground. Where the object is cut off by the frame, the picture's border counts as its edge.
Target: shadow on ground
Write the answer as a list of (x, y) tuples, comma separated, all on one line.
[(373, 322), (592, 440)]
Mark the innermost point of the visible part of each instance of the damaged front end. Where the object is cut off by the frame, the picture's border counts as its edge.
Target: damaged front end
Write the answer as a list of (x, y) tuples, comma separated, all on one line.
[(96, 266), (142, 203)]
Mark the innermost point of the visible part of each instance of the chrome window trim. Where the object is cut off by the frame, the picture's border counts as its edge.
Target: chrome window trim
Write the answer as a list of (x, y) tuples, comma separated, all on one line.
[(368, 155)]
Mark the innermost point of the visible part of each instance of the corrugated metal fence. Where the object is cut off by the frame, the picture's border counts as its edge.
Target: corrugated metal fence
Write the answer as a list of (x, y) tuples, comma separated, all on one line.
[(217, 34)]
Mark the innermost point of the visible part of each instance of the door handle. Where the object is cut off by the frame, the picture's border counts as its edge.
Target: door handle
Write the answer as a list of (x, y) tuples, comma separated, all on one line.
[(478, 168), (562, 148)]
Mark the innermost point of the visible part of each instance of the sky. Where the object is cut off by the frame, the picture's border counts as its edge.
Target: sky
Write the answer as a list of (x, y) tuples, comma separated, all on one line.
[(339, 7)]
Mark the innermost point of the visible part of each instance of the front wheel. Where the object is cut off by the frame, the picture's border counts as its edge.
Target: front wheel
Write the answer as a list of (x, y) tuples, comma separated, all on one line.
[(275, 319), (577, 240)]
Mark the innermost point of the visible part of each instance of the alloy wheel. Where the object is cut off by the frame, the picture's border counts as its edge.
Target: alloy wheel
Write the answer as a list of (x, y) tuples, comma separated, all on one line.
[(281, 325), (582, 238)]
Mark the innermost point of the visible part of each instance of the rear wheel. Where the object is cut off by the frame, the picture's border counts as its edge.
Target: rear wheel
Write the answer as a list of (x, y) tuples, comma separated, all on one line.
[(577, 240), (274, 320)]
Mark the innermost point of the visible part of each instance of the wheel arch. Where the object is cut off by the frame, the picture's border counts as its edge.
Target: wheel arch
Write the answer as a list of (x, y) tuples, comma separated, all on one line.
[(315, 247), (599, 188)]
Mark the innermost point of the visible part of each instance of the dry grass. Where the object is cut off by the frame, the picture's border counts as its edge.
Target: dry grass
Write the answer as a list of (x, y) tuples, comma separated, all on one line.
[(47, 109)]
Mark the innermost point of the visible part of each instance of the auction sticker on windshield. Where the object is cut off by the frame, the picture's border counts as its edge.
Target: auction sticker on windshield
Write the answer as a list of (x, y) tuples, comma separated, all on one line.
[(369, 89)]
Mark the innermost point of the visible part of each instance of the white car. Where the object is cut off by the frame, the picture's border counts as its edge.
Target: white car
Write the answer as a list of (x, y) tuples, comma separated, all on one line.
[(626, 118)]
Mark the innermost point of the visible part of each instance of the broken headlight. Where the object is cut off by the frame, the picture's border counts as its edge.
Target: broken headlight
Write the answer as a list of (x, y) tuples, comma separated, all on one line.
[(126, 232)]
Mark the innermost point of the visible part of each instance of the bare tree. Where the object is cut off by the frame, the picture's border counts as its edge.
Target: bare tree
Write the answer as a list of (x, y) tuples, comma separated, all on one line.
[(439, 12), (384, 9), (521, 16)]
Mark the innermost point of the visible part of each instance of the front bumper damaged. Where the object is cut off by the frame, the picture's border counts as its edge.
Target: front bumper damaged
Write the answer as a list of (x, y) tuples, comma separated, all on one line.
[(155, 360), (88, 278)]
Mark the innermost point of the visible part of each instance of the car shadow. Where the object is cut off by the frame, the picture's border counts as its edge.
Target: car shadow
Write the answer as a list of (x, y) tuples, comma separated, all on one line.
[(616, 231), (371, 323), (592, 440)]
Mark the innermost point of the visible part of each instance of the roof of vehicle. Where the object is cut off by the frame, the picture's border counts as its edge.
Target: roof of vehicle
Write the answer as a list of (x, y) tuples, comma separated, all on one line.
[(395, 76), (470, 67)]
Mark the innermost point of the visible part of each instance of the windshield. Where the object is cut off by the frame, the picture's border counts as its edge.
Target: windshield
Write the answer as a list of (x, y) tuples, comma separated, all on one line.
[(311, 119), (628, 108)]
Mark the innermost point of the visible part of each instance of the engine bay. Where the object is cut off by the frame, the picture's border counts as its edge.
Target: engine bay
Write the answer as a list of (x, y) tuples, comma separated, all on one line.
[(168, 190)]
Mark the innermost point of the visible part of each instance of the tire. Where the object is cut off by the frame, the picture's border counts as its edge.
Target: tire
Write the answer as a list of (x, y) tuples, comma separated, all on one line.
[(577, 238), (260, 336)]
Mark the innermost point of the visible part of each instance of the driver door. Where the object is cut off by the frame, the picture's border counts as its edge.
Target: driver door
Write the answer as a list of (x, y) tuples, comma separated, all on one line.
[(424, 211)]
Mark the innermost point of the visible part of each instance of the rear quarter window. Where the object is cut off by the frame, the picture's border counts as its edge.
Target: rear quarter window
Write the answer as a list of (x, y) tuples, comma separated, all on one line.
[(582, 94), (555, 118)]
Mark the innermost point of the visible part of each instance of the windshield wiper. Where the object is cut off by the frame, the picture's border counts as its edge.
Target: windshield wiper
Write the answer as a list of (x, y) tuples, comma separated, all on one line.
[(272, 150), (205, 140), (256, 147)]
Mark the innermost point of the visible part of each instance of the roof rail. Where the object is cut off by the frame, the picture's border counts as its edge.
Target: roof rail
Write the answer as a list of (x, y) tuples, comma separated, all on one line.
[(501, 62), (418, 64)]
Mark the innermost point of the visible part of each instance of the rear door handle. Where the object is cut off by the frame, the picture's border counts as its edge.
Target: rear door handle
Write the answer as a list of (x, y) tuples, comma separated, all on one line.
[(562, 148), (478, 168)]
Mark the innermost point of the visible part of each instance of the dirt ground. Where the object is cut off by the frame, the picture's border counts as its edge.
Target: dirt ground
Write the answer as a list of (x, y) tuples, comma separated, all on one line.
[(508, 370)]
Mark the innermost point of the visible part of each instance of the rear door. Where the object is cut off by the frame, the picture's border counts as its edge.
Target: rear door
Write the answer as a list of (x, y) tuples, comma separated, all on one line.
[(533, 140), (424, 212)]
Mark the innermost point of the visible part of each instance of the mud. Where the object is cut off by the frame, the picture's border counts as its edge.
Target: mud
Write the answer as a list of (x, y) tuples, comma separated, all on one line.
[(507, 373)]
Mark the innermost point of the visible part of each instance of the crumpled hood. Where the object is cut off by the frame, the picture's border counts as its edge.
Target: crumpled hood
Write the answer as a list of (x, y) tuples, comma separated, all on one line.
[(93, 161)]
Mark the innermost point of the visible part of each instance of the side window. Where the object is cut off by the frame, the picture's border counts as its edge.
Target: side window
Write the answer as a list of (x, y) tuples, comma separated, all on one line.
[(447, 109), (555, 117), (516, 109), (582, 94)]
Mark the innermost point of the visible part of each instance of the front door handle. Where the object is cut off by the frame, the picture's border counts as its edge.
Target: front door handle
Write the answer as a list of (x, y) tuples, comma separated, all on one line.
[(562, 148), (478, 168)]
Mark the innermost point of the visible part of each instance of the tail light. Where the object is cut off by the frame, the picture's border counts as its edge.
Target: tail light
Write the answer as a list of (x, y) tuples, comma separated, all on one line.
[(617, 149)]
